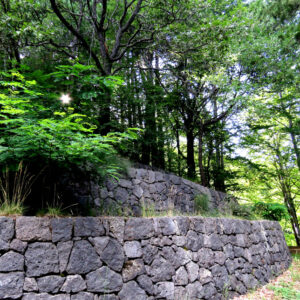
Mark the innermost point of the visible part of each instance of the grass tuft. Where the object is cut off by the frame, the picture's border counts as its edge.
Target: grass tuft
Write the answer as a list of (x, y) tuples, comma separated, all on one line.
[(8, 209)]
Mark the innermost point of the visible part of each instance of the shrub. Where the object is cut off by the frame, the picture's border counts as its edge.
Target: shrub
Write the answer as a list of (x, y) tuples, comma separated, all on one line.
[(241, 210), (201, 203), (64, 141), (63, 137), (271, 211)]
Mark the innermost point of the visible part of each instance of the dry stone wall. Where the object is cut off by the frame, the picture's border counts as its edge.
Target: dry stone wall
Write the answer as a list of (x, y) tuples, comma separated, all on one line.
[(152, 190), (88, 258)]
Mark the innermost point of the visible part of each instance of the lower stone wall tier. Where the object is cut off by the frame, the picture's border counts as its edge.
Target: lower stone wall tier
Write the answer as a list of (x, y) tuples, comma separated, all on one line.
[(88, 258)]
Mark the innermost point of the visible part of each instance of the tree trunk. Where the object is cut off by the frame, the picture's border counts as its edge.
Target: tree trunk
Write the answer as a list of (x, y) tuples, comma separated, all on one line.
[(294, 141), (178, 152), (190, 154), (200, 158), (105, 118), (288, 200), (287, 195)]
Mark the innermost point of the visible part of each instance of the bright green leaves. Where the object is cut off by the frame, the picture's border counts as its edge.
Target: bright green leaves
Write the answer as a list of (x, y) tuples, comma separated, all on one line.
[(64, 137)]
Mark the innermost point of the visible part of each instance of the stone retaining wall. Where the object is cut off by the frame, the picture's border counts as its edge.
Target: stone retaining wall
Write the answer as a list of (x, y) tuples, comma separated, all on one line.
[(179, 258), (153, 190)]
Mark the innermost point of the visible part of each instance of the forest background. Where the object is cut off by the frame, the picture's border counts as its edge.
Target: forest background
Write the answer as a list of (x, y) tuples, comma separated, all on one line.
[(208, 90)]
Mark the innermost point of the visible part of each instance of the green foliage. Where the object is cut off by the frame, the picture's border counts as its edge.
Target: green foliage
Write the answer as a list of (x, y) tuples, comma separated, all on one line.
[(201, 204), (51, 211), (11, 209), (289, 238), (65, 137), (285, 291), (147, 210), (241, 210), (271, 211)]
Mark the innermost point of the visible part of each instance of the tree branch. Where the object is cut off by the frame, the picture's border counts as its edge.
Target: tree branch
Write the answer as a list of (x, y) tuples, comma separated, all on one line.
[(78, 35)]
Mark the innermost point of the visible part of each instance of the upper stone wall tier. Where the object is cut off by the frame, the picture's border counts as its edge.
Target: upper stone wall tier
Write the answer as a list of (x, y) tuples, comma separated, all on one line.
[(154, 191), (113, 258)]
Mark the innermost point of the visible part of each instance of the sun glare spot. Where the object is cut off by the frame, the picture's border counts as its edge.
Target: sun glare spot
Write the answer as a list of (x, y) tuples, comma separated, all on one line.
[(65, 98)]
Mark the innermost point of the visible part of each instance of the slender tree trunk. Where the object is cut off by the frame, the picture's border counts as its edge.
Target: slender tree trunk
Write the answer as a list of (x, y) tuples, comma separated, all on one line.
[(200, 158), (105, 117), (295, 145), (178, 151), (190, 154), (287, 196), (209, 158), (288, 200), (159, 159)]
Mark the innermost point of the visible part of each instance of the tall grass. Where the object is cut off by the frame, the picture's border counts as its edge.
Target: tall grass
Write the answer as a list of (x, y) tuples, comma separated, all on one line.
[(15, 187)]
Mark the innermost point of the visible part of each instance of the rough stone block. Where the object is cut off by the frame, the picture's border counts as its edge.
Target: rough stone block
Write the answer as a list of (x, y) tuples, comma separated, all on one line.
[(151, 177), (30, 285), (183, 256), (73, 284), (219, 257), (18, 245), (61, 229), (159, 176), (205, 257), (249, 281), (121, 195), (4, 245), (205, 276), (33, 229), (146, 284), (50, 284), (99, 243), (213, 242), (113, 255), (161, 270), (149, 253), (11, 261), (209, 291), (45, 296), (194, 290), (194, 241), (193, 271), (132, 269), (124, 183), (179, 240), (83, 258), (160, 187), (166, 226), (181, 277), (165, 290), (106, 297), (88, 227), (131, 291), (41, 259), (138, 228), (11, 285), (84, 296), (137, 191), (183, 224), (64, 250), (116, 228), (133, 249), (219, 271), (7, 228), (104, 280), (197, 224)]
